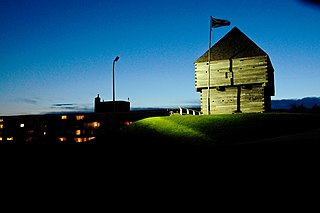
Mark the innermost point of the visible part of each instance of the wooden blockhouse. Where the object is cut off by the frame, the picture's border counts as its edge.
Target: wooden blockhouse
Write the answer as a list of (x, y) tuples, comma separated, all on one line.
[(241, 77)]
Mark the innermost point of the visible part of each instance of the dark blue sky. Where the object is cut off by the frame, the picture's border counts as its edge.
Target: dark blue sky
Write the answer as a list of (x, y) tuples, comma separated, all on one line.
[(57, 55)]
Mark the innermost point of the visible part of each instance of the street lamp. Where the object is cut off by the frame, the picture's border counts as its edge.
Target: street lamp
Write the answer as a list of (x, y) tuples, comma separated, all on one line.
[(113, 90)]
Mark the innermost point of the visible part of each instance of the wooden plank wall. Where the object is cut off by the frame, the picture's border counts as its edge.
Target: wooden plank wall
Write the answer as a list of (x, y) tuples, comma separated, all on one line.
[(243, 71), (252, 99), (244, 84), (250, 70), (222, 102), (226, 101), (220, 74)]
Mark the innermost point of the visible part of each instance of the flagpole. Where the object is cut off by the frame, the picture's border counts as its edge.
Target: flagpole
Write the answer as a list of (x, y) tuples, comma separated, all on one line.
[(213, 24), (209, 59)]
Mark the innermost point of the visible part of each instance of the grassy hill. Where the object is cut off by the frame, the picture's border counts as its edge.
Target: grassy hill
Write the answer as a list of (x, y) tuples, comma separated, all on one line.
[(263, 141), (217, 129)]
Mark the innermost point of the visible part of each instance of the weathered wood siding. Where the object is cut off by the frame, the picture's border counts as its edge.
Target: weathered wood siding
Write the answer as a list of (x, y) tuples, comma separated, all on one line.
[(251, 70), (221, 102), (237, 85), (235, 99), (220, 74), (252, 99), (224, 101), (232, 72)]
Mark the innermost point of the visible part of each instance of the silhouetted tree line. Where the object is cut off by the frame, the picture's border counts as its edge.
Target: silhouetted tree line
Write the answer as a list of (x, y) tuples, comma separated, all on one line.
[(302, 108)]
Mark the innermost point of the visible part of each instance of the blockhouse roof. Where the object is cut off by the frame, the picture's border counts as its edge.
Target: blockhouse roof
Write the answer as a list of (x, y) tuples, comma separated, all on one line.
[(235, 44)]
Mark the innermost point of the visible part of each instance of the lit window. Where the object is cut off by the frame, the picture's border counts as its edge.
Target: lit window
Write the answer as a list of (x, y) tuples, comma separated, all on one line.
[(10, 139), (62, 139), (78, 140), (78, 132), (0, 138), (79, 117), (96, 124), (1, 120), (21, 125), (63, 117), (1, 126), (93, 124)]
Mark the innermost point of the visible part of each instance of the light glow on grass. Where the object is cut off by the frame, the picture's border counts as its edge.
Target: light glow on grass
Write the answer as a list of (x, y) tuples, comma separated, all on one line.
[(230, 128), (173, 128)]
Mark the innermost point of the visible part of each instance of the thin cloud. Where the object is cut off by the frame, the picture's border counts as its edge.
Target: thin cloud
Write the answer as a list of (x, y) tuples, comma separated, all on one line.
[(33, 101), (192, 101), (61, 105), (70, 107)]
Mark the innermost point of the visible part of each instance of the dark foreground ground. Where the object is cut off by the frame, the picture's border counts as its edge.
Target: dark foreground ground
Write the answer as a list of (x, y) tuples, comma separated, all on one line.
[(132, 172), (114, 144), (300, 150), (295, 152)]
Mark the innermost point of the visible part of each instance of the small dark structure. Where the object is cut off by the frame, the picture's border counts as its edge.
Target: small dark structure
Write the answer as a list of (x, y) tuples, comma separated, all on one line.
[(241, 77), (107, 106)]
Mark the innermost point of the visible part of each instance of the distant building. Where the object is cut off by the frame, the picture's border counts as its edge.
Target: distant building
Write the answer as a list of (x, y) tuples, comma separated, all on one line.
[(52, 128), (241, 77), (72, 127), (108, 106), (66, 127)]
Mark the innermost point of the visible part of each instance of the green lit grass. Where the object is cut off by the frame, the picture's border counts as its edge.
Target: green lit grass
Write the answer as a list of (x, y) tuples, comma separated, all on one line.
[(220, 129)]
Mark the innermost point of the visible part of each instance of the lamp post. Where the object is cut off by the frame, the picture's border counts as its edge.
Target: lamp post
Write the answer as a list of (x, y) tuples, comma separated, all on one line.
[(113, 91)]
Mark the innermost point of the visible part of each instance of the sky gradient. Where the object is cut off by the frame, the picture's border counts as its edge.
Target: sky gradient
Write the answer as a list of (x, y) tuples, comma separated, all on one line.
[(57, 55)]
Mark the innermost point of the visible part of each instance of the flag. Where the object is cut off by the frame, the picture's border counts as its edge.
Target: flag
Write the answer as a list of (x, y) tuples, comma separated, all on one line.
[(219, 22)]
